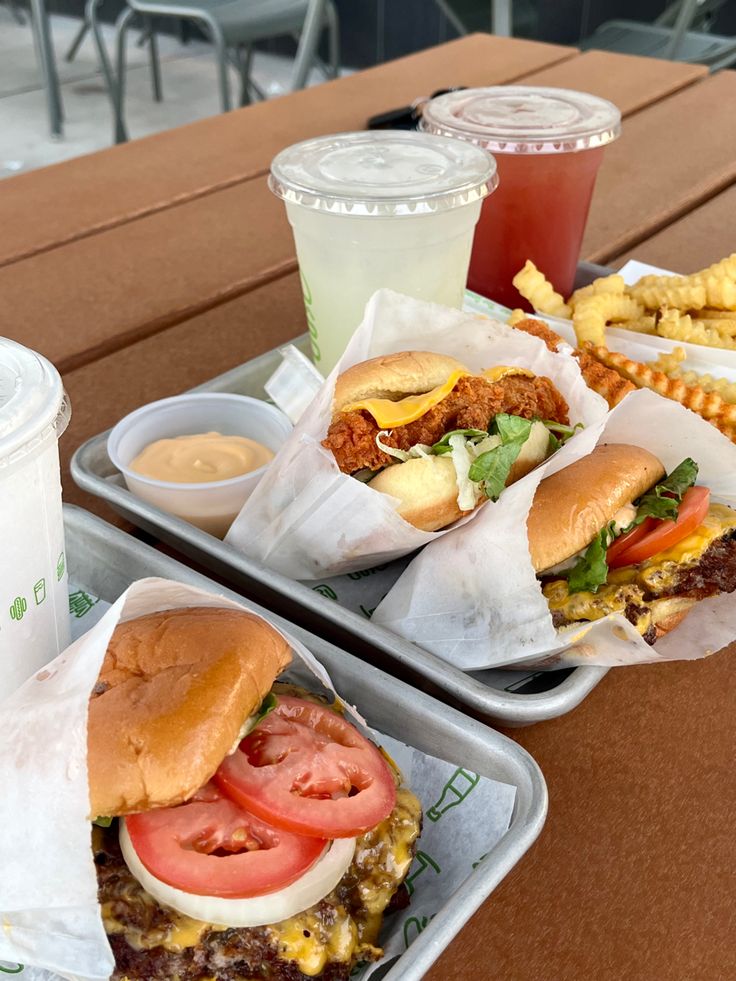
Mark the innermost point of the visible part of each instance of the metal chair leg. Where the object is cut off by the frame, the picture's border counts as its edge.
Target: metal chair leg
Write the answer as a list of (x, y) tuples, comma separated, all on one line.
[(121, 28), (90, 13), (245, 61), (45, 49), (313, 23), (155, 62), (218, 41), (76, 43), (333, 33)]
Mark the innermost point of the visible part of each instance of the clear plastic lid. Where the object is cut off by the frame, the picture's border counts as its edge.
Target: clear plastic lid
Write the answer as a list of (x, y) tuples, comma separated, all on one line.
[(382, 174), (524, 119), (33, 405)]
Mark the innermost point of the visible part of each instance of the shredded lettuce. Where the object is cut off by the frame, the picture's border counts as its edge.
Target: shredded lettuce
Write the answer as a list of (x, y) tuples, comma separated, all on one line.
[(391, 450), (103, 822), (462, 460), (443, 445)]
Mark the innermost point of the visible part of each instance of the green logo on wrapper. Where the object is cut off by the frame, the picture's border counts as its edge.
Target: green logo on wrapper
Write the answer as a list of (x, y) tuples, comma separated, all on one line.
[(18, 608), (311, 325), (39, 591), (413, 927), (324, 590), (60, 566), (454, 792), (18, 969), (424, 862), (81, 603)]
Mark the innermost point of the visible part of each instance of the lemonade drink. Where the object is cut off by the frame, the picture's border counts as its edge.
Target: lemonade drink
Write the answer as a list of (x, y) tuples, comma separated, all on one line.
[(373, 210)]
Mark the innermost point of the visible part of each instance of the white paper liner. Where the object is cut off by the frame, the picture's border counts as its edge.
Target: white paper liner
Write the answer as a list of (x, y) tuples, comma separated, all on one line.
[(473, 597), (308, 520), (51, 921)]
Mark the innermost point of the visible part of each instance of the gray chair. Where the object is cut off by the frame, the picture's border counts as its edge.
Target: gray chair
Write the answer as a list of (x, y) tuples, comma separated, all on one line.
[(673, 36), (234, 26)]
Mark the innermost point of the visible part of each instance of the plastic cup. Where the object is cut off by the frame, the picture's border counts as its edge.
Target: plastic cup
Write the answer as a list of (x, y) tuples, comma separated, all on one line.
[(371, 210), (548, 144), (34, 597), (214, 505)]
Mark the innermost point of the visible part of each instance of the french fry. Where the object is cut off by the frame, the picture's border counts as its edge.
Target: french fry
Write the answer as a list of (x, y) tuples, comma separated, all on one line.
[(644, 325), (536, 288), (681, 327), (669, 361), (709, 405), (604, 284), (516, 316), (593, 313), (719, 292), (681, 296)]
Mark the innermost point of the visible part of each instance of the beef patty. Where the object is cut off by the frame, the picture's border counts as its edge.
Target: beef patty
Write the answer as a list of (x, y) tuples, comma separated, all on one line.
[(472, 404), (714, 573), (336, 933)]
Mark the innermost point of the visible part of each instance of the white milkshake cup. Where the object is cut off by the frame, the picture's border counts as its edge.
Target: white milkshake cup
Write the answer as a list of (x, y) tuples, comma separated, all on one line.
[(34, 600), (379, 209)]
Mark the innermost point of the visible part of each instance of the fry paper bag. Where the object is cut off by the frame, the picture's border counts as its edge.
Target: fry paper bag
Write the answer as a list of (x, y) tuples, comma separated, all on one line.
[(308, 520), (52, 926), (474, 599)]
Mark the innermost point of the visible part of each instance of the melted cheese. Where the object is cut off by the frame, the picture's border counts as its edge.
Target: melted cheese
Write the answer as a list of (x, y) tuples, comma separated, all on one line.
[(390, 414), (503, 371), (654, 576), (382, 859)]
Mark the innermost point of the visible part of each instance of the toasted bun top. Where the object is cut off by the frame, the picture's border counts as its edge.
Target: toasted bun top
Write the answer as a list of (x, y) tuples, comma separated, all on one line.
[(173, 692), (392, 376), (573, 505)]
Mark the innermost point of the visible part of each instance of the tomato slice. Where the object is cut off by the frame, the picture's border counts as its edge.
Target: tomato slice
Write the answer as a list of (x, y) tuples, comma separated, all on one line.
[(620, 544), (663, 534), (213, 847), (306, 769)]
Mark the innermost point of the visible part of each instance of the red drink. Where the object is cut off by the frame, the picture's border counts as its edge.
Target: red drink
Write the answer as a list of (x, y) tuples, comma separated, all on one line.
[(548, 144), (538, 212)]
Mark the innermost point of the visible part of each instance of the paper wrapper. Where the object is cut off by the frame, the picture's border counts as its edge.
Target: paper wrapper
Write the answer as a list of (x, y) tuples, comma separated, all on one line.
[(52, 926), (306, 519), (473, 597)]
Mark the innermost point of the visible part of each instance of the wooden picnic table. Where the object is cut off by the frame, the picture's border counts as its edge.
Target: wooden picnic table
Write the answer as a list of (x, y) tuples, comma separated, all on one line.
[(151, 267)]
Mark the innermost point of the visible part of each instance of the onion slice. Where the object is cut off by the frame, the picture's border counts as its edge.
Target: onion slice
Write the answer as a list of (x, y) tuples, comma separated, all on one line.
[(272, 907)]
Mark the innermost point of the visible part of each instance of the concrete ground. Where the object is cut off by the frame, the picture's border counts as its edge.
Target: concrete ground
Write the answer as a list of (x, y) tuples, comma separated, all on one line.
[(189, 89)]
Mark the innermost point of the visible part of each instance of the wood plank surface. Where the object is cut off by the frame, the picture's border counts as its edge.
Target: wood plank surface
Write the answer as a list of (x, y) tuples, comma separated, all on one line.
[(632, 876), (671, 157), (107, 290), (629, 81), (72, 199), (172, 361), (701, 237), (92, 296)]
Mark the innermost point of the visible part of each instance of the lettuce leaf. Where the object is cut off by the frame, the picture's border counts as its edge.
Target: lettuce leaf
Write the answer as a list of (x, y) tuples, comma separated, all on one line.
[(494, 466), (663, 500), (591, 571)]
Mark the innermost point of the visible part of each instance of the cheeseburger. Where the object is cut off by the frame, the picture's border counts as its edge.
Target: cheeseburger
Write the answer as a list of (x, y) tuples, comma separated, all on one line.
[(425, 430), (244, 830), (614, 534)]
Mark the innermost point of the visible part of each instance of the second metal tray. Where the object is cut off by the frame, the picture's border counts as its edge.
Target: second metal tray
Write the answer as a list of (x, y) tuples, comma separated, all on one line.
[(104, 560), (510, 698)]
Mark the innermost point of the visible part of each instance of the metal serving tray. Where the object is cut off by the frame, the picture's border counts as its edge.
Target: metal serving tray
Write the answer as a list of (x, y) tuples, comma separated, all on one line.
[(509, 698), (106, 561)]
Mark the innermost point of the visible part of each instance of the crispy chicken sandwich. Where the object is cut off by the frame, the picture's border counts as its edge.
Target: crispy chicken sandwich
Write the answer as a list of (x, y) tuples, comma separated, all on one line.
[(244, 830), (422, 428), (614, 534)]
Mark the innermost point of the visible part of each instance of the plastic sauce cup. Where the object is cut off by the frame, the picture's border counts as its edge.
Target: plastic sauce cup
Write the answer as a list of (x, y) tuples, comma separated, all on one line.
[(378, 209), (34, 598), (548, 144), (213, 505)]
